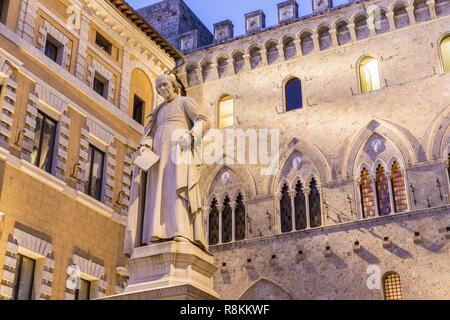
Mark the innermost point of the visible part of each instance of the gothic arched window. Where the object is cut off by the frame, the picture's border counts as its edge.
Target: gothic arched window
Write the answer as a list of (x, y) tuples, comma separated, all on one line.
[(382, 187), (445, 53), (227, 221), (398, 188), (392, 286), (369, 75), (300, 207), (293, 94), (239, 218), (213, 223), (285, 209), (368, 204), (315, 211)]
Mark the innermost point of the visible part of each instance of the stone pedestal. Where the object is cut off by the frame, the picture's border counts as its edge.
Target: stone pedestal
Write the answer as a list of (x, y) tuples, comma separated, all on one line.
[(170, 271)]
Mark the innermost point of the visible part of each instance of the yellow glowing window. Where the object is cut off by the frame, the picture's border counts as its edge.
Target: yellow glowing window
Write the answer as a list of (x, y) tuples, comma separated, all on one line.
[(369, 75), (392, 287), (445, 52), (226, 112)]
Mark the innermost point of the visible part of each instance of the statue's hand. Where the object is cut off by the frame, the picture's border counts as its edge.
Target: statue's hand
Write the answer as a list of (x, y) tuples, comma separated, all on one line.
[(146, 144), (185, 141)]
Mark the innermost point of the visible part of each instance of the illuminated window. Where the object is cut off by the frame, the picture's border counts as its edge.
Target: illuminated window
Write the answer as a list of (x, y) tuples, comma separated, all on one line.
[(226, 112), (382, 187), (293, 94), (24, 281), (84, 292), (392, 287), (368, 204), (369, 75), (44, 142), (445, 52), (398, 188), (94, 181)]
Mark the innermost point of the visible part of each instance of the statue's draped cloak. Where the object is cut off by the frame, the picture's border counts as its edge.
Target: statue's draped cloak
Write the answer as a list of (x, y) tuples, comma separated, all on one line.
[(173, 205)]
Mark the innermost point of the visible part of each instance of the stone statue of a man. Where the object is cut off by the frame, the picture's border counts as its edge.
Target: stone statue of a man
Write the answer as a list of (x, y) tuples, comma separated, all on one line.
[(173, 208)]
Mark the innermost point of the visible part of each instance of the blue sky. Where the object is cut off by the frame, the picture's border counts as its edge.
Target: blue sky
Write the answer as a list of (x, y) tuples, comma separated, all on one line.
[(212, 11)]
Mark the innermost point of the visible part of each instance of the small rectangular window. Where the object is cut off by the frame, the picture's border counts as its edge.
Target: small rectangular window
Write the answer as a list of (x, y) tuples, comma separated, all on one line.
[(23, 283), (3, 10), (44, 142), (94, 181), (138, 110), (100, 85), (84, 292), (104, 44), (54, 49)]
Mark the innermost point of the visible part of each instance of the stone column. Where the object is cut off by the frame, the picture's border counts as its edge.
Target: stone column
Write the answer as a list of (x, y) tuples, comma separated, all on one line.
[(265, 61), (412, 18), (80, 70), (390, 17), (126, 82), (371, 25), (205, 212), (292, 194), (248, 62), (315, 38), (298, 47), (307, 192), (432, 8), (280, 49), (199, 75), (334, 39), (220, 209), (351, 28), (214, 72), (372, 182), (233, 221), (391, 194)]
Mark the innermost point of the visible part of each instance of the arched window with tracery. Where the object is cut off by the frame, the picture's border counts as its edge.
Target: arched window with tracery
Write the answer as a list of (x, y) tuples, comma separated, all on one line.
[(227, 221), (315, 211), (382, 187), (445, 53), (239, 218), (398, 188), (293, 94), (300, 207), (392, 286), (285, 209), (367, 199), (213, 224)]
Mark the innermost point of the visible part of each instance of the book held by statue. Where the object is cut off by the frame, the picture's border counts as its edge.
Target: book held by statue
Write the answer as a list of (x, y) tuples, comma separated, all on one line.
[(146, 159)]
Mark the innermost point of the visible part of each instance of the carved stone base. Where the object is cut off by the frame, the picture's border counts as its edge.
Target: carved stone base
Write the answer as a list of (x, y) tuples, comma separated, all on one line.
[(170, 271)]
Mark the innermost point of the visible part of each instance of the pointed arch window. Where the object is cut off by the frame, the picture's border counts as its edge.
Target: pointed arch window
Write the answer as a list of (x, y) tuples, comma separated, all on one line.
[(382, 187), (240, 218), (392, 286), (226, 112), (398, 188), (315, 211), (369, 75), (368, 204), (285, 209), (227, 221), (293, 94), (213, 225), (300, 207), (445, 53)]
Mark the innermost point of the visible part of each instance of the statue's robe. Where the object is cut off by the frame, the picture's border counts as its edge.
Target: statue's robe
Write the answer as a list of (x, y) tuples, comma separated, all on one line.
[(173, 205)]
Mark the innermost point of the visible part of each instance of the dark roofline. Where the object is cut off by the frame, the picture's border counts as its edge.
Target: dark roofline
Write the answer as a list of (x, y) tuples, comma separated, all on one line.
[(148, 30)]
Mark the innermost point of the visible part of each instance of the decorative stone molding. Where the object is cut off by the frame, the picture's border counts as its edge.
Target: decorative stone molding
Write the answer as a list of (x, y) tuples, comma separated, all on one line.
[(41, 250), (96, 274), (48, 29), (7, 101), (26, 23), (126, 181)]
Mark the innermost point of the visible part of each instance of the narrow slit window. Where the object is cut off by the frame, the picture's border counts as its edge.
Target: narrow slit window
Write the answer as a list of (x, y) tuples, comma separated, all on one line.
[(369, 75), (24, 281), (96, 166), (138, 110), (293, 94), (226, 112), (44, 142)]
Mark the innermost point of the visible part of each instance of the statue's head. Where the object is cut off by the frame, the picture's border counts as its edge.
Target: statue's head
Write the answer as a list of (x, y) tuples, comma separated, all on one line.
[(167, 86)]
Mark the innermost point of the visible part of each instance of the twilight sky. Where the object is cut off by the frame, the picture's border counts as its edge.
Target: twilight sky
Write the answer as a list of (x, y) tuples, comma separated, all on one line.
[(212, 11)]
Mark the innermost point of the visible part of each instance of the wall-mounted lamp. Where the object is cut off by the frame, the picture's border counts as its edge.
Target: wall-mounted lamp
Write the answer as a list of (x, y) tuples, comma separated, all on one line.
[(328, 252), (387, 242), (357, 246), (417, 237), (119, 198), (249, 264), (75, 169), (273, 260), (447, 232), (300, 255), (224, 268), (19, 137)]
